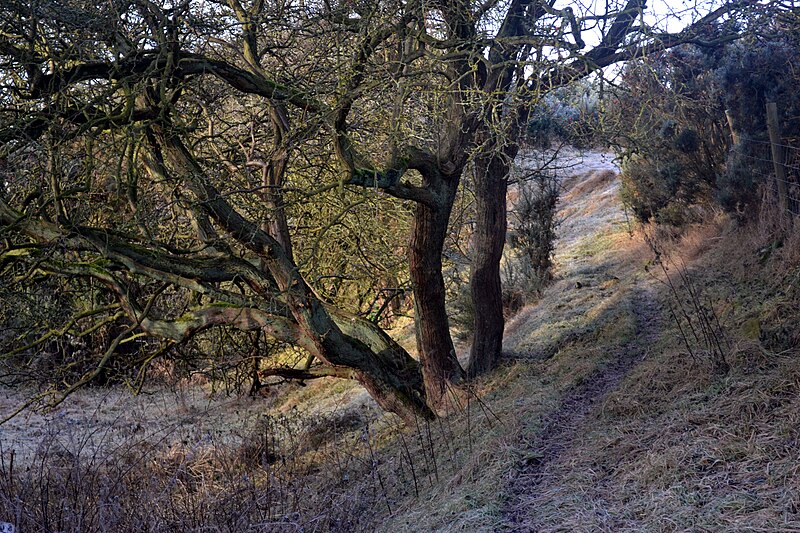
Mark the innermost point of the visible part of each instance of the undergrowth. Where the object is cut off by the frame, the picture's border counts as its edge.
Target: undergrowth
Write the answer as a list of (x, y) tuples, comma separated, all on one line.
[(680, 446), (284, 473)]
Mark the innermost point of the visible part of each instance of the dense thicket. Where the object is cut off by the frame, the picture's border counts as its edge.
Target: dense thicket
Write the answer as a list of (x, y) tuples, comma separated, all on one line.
[(693, 120)]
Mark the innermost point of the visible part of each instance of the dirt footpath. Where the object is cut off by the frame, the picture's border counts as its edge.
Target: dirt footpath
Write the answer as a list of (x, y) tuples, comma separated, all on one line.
[(597, 288)]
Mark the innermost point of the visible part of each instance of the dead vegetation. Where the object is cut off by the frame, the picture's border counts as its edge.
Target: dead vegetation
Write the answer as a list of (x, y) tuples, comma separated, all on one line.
[(599, 420), (680, 447)]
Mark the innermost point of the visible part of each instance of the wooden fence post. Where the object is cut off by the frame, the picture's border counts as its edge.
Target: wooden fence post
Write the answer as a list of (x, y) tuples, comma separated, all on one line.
[(732, 127), (778, 155)]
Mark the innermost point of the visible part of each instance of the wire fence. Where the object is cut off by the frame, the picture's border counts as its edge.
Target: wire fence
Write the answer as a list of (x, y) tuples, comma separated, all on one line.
[(791, 170)]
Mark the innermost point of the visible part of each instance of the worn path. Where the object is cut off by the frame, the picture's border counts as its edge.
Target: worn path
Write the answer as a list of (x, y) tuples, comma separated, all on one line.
[(563, 429), (587, 279)]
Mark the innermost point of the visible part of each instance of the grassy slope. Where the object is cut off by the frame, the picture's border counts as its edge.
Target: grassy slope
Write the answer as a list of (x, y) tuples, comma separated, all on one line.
[(607, 422), (564, 341), (677, 448), (597, 420)]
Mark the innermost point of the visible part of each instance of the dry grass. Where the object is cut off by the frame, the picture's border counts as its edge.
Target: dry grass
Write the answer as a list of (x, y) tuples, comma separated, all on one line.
[(676, 448), (345, 469), (474, 466), (260, 480), (594, 186), (671, 447), (673, 451)]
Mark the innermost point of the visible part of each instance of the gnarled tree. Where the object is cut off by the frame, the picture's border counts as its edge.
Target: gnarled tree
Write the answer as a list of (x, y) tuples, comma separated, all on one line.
[(162, 150)]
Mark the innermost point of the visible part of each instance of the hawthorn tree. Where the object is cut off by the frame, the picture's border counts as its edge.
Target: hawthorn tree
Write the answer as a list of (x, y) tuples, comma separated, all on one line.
[(164, 151), (148, 148)]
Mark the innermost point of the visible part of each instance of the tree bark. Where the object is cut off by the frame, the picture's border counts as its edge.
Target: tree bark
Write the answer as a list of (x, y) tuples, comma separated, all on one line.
[(440, 367), (491, 185), (273, 181)]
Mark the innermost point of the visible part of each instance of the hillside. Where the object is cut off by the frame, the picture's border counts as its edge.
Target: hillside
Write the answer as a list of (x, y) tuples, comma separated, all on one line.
[(613, 416), (607, 415)]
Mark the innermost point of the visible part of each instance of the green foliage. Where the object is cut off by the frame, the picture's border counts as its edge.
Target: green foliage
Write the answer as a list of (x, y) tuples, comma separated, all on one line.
[(672, 132), (740, 178), (534, 225), (760, 70), (751, 74), (657, 189), (531, 238)]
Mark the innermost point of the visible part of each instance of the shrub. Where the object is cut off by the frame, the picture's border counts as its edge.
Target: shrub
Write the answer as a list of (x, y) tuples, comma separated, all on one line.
[(531, 239), (569, 114), (672, 125), (738, 181)]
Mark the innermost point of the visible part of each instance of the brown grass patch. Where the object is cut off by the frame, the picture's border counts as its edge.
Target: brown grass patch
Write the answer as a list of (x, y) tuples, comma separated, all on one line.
[(676, 448), (585, 184)]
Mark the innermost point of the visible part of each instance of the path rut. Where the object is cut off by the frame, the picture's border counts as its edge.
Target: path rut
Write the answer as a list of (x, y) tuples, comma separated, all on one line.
[(560, 430), (590, 214)]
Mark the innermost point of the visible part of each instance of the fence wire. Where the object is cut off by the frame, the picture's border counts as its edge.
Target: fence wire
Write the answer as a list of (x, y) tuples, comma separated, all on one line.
[(791, 167)]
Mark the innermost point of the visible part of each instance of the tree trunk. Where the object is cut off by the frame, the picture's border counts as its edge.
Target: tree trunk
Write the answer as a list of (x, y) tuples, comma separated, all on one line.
[(491, 184), (377, 362), (492, 168), (386, 370), (440, 367)]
